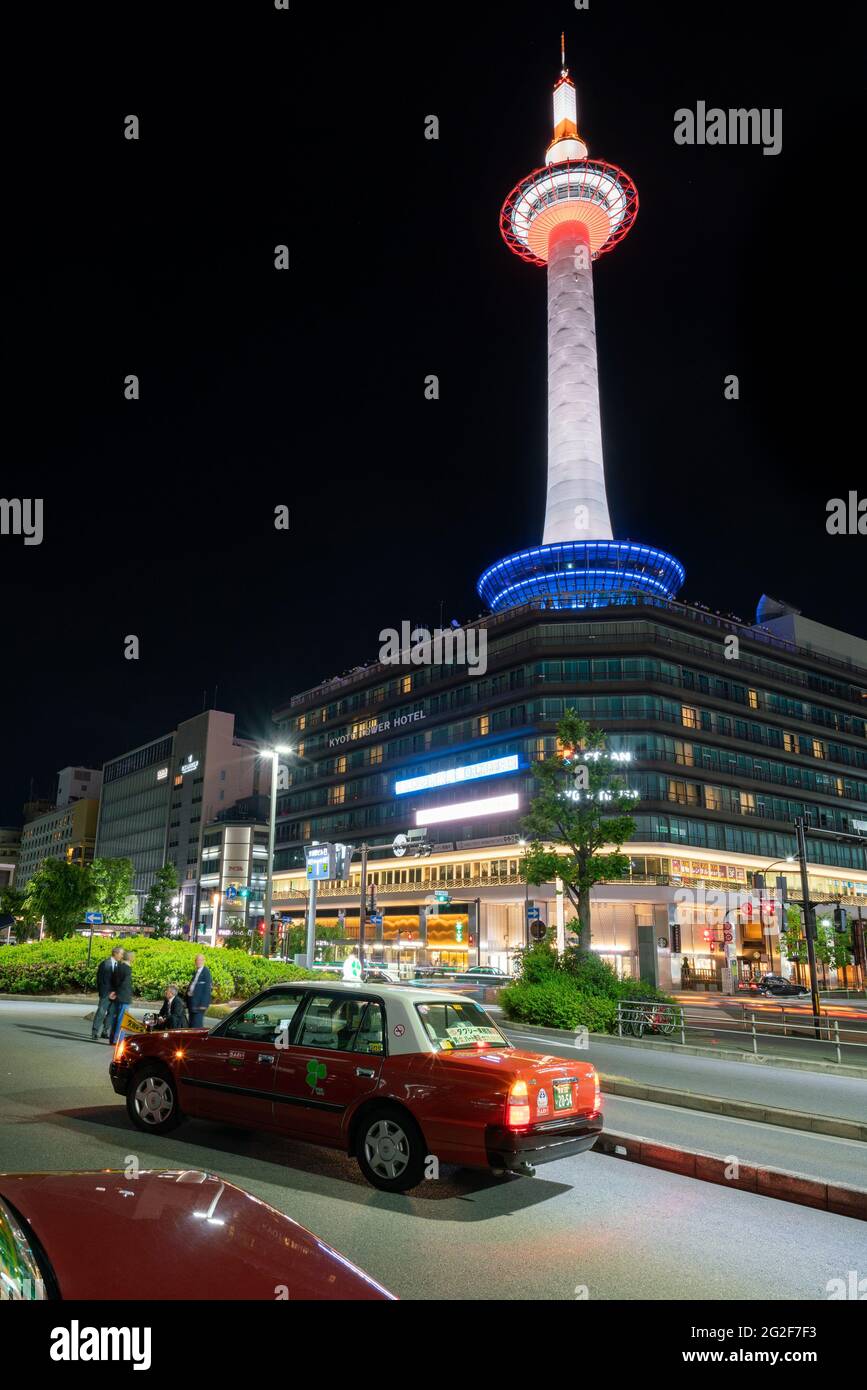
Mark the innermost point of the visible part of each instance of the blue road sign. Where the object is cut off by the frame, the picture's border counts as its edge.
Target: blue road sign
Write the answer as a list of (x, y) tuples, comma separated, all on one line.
[(93, 919), (532, 914), (375, 918), (231, 892)]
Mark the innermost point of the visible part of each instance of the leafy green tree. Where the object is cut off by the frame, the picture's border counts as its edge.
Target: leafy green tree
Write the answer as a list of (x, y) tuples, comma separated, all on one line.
[(157, 912), (580, 805), (59, 892), (13, 903), (111, 890)]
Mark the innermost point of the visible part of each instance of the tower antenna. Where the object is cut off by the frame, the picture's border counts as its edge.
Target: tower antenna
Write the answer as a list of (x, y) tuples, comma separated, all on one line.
[(563, 69)]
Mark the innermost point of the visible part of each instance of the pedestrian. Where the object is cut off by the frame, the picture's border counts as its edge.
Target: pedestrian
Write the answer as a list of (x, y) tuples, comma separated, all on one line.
[(106, 975), (122, 993), (199, 993), (352, 967), (172, 1013)]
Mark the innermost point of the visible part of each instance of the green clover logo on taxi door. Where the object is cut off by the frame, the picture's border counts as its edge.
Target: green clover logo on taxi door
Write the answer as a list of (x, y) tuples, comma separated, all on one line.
[(316, 1072)]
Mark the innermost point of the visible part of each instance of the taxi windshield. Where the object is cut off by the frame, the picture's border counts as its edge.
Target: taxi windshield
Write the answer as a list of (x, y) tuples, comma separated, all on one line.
[(451, 1025)]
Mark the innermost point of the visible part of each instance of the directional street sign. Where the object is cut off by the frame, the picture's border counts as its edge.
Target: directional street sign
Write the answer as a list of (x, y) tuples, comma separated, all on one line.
[(93, 919), (442, 895), (231, 891)]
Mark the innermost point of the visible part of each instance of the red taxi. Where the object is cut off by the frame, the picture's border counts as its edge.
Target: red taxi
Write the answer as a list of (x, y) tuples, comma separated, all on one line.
[(395, 1076)]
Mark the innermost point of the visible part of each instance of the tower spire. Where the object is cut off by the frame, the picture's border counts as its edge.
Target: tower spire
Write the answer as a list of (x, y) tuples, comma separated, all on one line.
[(564, 71)]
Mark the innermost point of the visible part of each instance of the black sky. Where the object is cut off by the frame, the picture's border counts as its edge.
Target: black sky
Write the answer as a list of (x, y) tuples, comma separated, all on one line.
[(306, 387)]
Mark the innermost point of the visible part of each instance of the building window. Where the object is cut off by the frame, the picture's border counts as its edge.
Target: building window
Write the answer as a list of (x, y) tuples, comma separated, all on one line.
[(336, 795), (340, 764), (748, 804), (405, 685), (819, 749), (375, 754), (484, 725), (302, 721), (753, 699), (689, 716), (790, 743)]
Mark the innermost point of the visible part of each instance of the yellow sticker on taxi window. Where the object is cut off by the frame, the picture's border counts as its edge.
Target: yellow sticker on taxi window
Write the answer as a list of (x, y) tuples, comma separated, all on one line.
[(446, 1044)]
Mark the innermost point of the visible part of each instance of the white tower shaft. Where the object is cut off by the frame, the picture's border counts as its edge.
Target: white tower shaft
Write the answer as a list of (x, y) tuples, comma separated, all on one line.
[(577, 506)]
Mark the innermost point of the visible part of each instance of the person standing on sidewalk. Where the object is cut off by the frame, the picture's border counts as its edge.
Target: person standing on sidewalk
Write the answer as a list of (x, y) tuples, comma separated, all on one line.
[(199, 993), (122, 993), (106, 976)]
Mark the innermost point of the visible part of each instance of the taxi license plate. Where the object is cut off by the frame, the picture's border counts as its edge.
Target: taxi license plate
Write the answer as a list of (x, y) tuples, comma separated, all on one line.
[(562, 1095)]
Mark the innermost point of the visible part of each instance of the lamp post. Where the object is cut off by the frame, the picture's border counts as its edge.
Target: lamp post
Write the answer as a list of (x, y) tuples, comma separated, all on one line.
[(809, 924), (274, 755), (760, 875)]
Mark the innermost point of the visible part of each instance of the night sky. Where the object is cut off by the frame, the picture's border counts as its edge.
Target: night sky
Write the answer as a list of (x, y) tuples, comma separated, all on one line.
[(306, 387)]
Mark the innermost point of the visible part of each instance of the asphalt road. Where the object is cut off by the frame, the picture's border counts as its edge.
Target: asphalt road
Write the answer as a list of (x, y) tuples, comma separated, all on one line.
[(817, 1093), (616, 1229)]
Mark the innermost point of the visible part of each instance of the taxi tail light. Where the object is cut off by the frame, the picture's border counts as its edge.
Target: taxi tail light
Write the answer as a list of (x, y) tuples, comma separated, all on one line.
[(518, 1106), (597, 1093)]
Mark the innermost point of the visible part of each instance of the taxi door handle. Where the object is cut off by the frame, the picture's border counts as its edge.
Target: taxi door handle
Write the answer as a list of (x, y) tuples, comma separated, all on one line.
[(266, 1059), (365, 1071)]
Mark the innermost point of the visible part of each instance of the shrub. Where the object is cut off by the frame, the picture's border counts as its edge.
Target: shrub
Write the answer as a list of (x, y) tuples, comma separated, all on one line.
[(556, 1003), (61, 967), (539, 962)]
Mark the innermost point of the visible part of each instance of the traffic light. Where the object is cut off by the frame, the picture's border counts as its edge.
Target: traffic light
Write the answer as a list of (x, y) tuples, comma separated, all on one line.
[(841, 920)]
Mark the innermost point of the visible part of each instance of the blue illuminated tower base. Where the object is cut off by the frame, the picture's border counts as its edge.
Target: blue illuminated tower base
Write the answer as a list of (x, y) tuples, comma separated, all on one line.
[(581, 574)]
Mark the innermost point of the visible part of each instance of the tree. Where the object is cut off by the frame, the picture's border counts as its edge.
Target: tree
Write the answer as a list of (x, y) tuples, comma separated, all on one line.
[(581, 804), (59, 891), (111, 889), (158, 911), (13, 903)]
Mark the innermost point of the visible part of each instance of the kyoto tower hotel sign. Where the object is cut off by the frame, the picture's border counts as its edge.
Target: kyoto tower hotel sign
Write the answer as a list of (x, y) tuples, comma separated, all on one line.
[(564, 216)]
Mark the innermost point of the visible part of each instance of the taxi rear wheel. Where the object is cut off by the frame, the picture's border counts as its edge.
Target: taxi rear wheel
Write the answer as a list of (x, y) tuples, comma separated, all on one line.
[(152, 1101), (390, 1149)]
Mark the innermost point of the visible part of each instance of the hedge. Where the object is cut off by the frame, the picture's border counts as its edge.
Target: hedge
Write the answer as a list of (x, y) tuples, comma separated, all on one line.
[(556, 1003), (61, 967)]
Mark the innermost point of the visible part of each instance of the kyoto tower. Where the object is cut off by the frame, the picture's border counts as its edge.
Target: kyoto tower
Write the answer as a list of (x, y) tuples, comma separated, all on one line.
[(565, 215)]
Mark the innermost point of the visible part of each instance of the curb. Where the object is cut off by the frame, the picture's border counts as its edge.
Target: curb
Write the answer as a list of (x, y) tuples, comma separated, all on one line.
[(799, 1188), (735, 1109), (823, 1068)]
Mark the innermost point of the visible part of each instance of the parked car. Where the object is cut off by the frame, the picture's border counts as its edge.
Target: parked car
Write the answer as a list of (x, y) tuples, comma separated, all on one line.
[(390, 1074), (771, 984), (172, 1235)]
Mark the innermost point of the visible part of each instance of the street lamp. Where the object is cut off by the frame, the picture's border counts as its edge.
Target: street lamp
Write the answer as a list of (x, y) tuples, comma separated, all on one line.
[(274, 754), (789, 859)]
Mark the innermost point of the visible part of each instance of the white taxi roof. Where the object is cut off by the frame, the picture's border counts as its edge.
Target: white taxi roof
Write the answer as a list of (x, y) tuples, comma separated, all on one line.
[(406, 1032)]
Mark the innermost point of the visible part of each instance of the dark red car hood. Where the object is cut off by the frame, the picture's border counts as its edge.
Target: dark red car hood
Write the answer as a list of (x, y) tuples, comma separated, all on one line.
[(176, 1235)]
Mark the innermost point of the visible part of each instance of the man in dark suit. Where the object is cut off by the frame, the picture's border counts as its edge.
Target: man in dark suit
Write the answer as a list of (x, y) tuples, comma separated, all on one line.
[(122, 993), (172, 1014), (105, 981), (199, 993)]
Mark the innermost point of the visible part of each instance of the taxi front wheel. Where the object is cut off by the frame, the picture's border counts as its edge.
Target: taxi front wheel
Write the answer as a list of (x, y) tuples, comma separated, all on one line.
[(152, 1100), (390, 1149)]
